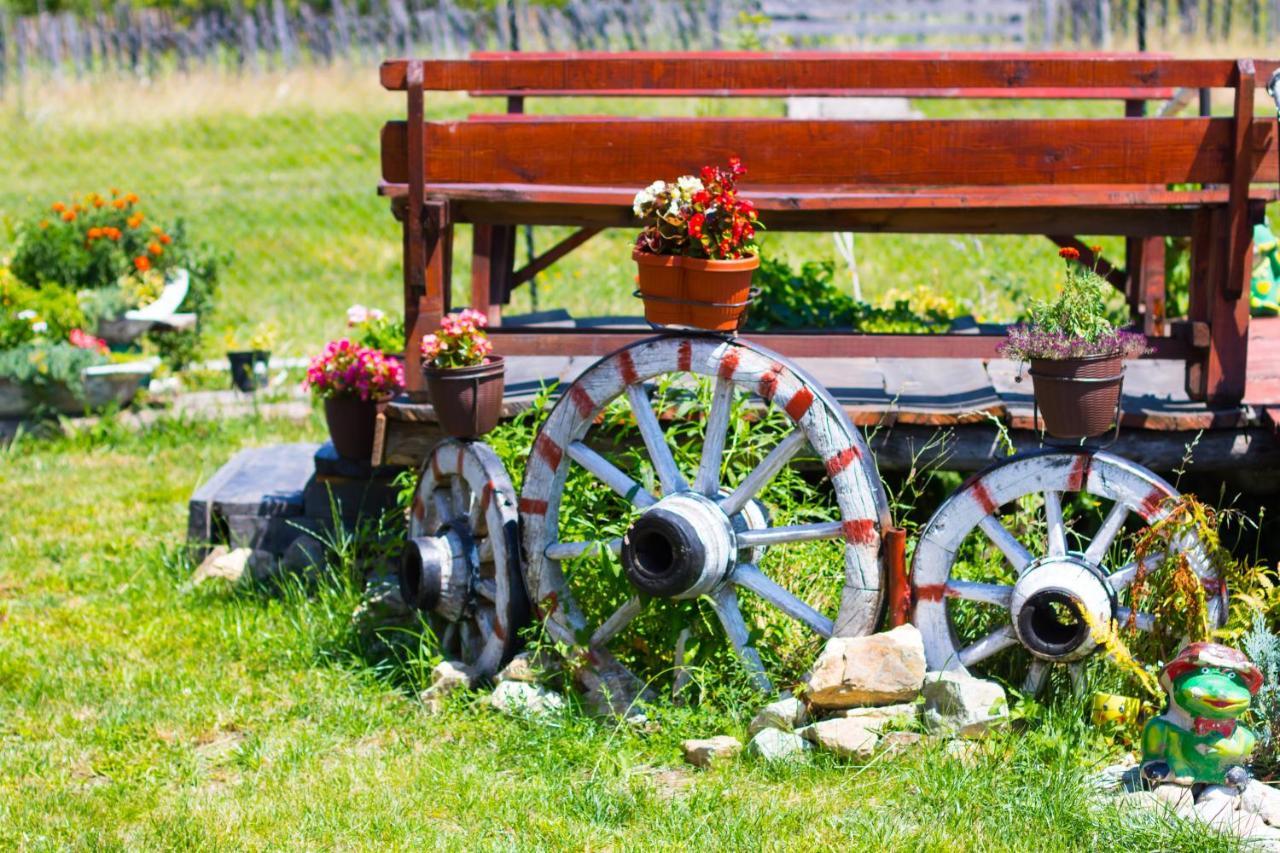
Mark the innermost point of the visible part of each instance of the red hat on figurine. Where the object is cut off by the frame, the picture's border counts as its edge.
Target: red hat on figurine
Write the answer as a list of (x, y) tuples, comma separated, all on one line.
[(1211, 654)]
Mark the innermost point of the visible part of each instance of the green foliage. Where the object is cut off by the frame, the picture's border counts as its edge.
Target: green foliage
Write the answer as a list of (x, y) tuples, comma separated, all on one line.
[(1263, 648), (1080, 311), (42, 367), (29, 313)]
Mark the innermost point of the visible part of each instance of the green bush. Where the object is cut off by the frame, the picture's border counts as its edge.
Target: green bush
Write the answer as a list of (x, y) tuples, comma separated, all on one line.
[(28, 313)]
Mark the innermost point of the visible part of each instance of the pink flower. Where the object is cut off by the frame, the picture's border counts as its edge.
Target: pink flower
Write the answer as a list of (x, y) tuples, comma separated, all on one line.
[(84, 340), (347, 370)]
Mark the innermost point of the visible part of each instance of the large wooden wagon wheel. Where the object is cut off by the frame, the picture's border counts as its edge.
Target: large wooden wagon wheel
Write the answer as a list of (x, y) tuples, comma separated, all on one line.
[(1051, 575), (692, 535), (461, 563)]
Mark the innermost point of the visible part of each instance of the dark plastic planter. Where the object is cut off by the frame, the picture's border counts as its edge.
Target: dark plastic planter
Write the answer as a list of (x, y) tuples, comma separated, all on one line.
[(244, 368), (352, 422), (467, 400), (1078, 397)]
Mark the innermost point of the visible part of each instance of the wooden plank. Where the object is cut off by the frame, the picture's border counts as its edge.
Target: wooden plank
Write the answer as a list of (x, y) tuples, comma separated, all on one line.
[(481, 262), (1149, 284), (820, 153), (948, 392), (979, 93), (1240, 228), (798, 73), (1263, 386), (1205, 256)]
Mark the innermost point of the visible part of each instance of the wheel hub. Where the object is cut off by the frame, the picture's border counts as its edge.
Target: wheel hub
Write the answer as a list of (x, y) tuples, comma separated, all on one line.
[(1050, 603), (436, 572), (681, 547)]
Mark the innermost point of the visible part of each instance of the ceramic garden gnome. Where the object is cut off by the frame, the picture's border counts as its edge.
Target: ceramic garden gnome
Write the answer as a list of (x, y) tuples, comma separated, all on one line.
[(1199, 739)]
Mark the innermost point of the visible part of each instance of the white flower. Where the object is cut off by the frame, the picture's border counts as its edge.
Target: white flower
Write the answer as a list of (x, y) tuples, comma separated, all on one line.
[(645, 197), (375, 314), (26, 315), (39, 326), (357, 314), (688, 185)]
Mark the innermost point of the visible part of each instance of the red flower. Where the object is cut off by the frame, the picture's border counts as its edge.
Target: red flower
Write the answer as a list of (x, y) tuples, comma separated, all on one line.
[(735, 166), (1069, 253), (695, 224)]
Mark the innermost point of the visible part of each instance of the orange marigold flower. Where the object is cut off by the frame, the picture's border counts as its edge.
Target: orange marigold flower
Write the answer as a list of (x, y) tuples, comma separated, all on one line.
[(118, 204), (112, 233), (44, 223), (58, 207), (95, 233), (135, 220), (154, 248), (1095, 249), (114, 192), (142, 262), (157, 230), (132, 198), (1069, 253), (98, 202), (68, 216), (166, 239)]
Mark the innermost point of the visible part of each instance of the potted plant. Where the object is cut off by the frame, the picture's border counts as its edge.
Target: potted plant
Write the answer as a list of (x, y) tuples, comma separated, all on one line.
[(249, 359), (464, 379), (697, 251), (352, 380), (1076, 354), (371, 327)]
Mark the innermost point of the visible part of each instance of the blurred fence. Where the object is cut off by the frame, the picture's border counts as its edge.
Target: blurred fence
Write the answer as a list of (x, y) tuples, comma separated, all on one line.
[(280, 34)]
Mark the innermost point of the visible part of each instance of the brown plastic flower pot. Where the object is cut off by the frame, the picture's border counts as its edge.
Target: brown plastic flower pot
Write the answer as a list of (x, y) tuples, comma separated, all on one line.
[(1078, 397), (467, 400), (694, 292), (352, 422)]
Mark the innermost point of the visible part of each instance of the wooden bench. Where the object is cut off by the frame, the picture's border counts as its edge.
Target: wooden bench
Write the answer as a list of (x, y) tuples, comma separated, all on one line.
[(1125, 176)]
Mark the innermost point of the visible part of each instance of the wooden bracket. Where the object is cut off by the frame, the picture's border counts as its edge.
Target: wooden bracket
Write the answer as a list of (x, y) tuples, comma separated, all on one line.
[(550, 256), (1240, 230)]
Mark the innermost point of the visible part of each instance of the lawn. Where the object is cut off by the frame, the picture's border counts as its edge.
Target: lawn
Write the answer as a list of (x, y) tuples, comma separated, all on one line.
[(136, 712), (281, 170)]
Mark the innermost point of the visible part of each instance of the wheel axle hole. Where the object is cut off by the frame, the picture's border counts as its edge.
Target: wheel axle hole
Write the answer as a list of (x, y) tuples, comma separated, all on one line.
[(1051, 623), (654, 555)]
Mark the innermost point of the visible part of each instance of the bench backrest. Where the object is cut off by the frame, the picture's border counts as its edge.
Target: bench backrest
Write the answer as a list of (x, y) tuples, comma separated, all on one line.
[(612, 150), (866, 22)]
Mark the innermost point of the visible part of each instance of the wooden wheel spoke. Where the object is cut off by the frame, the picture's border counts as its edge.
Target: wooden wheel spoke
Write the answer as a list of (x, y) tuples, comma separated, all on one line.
[(573, 550), (1014, 551), (484, 550), (609, 474), (444, 506), (707, 481), (487, 589), (449, 638), (655, 441), (1057, 533), (1097, 550), (997, 641), (618, 620), (1122, 578), (764, 472), (750, 577), (987, 593), (1036, 674), (457, 493), (725, 603), (1141, 621), (793, 533)]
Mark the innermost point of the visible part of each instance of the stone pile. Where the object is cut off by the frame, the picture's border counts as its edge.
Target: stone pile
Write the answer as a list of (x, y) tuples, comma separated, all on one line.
[(1252, 813)]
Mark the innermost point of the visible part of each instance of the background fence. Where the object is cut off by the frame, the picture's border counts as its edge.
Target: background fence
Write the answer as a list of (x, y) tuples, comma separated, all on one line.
[(287, 33)]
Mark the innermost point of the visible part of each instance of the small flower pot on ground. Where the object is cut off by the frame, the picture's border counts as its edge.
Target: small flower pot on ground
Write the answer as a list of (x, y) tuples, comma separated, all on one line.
[(465, 382), (697, 251), (1076, 355), (352, 380), (245, 367)]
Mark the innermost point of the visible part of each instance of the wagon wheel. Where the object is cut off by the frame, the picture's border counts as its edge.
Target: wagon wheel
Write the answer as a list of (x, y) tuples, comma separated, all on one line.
[(696, 536), (461, 563), (1056, 580)]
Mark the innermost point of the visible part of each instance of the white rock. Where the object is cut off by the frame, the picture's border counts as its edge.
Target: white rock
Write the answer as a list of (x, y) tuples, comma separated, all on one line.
[(878, 718), (1175, 798), (958, 704), (1216, 804), (786, 714), (703, 752), (222, 564), (893, 743), (881, 669), (523, 699), (528, 667), (451, 675), (848, 738), (1262, 800), (773, 745)]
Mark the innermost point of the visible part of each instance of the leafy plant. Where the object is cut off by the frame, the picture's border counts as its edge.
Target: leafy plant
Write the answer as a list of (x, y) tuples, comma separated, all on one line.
[(460, 341), (29, 313), (370, 327), (1263, 648), (1075, 325), (40, 368), (698, 216)]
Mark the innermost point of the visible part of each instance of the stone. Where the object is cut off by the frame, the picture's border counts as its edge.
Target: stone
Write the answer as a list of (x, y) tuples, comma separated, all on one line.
[(880, 669), (451, 675), (1175, 798), (703, 752), (892, 743), (964, 751), (1216, 804), (304, 555), (774, 745), (529, 667), (786, 714), (520, 698), (222, 564), (1262, 800), (886, 715), (263, 565), (847, 738), (959, 704)]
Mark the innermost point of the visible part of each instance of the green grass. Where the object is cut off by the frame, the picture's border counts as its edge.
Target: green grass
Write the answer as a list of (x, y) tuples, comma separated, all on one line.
[(281, 170), (136, 713)]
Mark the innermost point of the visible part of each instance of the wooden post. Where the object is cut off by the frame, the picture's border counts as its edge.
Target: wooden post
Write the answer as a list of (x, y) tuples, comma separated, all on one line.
[(481, 272), (1146, 276), (1205, 256), (417, 297)]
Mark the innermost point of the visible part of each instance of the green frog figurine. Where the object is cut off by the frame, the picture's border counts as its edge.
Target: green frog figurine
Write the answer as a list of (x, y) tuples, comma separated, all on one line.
[(1199, 739)]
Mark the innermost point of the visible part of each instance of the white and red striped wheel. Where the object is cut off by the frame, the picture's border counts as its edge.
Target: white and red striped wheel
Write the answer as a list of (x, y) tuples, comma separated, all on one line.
[(461, 563), (1050, 572), (693, 535)]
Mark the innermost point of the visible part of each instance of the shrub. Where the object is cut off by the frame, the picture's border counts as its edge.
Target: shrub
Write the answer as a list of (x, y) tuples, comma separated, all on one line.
[(370, 327), (28, 313)]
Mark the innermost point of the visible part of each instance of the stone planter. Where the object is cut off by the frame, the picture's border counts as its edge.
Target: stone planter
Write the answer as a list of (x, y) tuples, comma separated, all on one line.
[(162, 313), (104, 385)]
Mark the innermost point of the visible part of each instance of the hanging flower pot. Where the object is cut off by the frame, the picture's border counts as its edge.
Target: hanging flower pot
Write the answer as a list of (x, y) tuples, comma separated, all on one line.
[(697, 293), (465, 381), (352, 380), (697, 251), (1076, 355)]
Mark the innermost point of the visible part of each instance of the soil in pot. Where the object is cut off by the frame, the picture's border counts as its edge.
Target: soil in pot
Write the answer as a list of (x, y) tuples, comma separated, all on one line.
[(467, 400), (695, 292), (352, 422), (1078, 397)]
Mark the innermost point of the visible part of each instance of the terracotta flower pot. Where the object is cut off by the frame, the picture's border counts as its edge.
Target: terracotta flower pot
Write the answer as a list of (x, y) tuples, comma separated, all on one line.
[(1078, 397), (694, 292), (352, 422), (467, 400)]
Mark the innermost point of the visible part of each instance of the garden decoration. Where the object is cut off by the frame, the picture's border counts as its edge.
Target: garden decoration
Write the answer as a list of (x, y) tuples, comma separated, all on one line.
[(249, 360), (1076, 355), (352, 380), (1198, 738), (697, 251), (464, 379), (461, 565), (1264, 286)]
